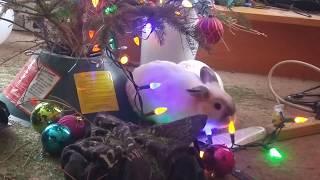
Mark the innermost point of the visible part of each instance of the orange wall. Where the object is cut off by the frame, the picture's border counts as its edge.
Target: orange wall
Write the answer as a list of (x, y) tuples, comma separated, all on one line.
[(257, 54)]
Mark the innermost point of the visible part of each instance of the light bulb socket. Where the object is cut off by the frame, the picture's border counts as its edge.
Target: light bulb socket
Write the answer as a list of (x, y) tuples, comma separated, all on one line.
[(232, 138), (150, 114), (289, 119), (154, 112), (209, 139), (144, 87)]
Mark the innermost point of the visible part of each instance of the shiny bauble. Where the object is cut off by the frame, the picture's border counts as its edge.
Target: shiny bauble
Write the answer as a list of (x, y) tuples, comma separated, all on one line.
[(76, 125), (210, 29), (45, 113), (219, 159), (5, 26), (55, 137)]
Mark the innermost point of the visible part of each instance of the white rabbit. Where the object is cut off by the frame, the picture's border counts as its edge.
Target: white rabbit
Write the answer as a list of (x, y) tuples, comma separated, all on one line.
[(183, 92), (195, 67)]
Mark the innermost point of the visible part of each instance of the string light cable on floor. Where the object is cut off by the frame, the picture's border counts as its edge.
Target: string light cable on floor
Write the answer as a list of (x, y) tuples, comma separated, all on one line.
[(310, 106), (279, 119), (307, 98)]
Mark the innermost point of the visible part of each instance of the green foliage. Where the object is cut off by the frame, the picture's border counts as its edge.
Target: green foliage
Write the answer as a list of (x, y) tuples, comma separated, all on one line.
[(64, 24)]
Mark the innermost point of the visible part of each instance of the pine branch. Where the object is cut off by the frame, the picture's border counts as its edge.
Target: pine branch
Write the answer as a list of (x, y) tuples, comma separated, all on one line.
[(15, 5), (65, 33), (55, 5), (18, 53), (64, 24), (27, 12)]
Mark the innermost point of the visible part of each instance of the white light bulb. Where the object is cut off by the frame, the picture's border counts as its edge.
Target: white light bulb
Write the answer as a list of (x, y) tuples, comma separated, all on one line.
[(154, 85), (147, 30), (186, 3)]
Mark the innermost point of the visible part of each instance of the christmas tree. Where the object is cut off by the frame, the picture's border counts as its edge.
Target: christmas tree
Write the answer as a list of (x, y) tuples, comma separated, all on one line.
[(80, 28)]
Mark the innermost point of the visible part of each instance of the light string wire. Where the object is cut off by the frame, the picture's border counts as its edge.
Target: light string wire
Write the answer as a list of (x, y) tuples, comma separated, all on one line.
[(272, 137), (128, 74), (278, 98)]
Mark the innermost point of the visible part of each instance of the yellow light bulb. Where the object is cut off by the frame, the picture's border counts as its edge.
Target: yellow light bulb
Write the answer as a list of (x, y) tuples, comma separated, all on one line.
[(231, 127), (299, 120), (95, 3), (160, 110), (201, 154), (96, 48), (136, 40), (178, 13), (186, 3), (124, 59)]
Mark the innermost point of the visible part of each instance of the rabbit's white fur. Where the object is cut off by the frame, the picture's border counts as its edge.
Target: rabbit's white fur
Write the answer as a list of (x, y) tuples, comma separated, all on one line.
[(173, 94)]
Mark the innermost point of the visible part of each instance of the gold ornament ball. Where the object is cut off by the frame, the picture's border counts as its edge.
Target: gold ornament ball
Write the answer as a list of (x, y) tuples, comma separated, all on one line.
[(44, 114)]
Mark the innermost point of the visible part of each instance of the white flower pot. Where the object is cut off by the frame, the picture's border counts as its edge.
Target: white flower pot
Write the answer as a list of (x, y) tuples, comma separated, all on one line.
[(175, 48), (5, 27)]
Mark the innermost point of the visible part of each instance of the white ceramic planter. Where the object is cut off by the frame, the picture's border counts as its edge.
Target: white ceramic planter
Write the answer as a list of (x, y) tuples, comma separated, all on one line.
[(5, 27), (175, 48)]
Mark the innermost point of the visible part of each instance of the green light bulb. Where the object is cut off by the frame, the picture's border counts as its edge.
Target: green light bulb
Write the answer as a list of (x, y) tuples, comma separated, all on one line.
[(112, 43), (274, 153), (111, 9)]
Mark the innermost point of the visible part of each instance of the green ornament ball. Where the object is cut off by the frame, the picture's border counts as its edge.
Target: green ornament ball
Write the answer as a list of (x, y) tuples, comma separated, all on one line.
[(55, 137), (44, 114)]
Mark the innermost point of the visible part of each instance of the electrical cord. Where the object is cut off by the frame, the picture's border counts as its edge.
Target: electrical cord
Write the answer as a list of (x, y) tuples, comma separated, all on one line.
[(280, 99), (306, 98), (279, 121), (128, 74), (265, 143)]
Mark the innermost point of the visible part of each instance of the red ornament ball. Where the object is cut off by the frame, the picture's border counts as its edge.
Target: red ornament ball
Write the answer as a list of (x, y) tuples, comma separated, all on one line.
[(210, 29), (219, 159), (76, 125)]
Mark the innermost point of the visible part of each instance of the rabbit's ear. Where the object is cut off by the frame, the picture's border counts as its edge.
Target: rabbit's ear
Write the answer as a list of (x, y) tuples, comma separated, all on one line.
[(207, 75), (199, 92)]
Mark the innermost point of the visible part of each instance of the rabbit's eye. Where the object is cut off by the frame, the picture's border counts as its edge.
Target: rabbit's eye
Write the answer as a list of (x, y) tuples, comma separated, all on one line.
[(217, 106)]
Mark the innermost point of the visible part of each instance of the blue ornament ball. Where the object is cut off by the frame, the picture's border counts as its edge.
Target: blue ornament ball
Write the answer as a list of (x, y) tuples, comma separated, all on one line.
[(55, 137)]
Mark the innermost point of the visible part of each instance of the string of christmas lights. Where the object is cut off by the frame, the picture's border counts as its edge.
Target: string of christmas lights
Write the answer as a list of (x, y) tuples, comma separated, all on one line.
[(121, 63), (123, 60), (279, 121), (273, 153)]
